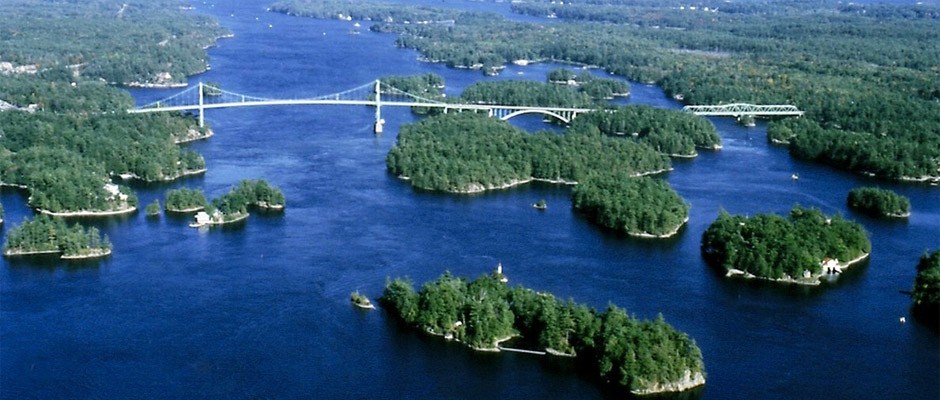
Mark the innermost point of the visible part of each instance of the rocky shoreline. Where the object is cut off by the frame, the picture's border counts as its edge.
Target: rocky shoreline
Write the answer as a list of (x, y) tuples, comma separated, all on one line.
[(91, 254), (671, 233), (689, 380), (86, 213), (193, 135), (812, 280)]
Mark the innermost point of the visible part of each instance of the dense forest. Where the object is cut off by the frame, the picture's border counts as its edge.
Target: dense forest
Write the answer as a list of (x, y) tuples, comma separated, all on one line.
[(879, 202), (461, 152), (465, 152), (525, 93), (866, 75), (642, 356), (640, 206), (669, 132), (76, 136), (185, 199), (773, 247), (60, 180), (46, 234), (119, 42), (926, 293), (428, 86)]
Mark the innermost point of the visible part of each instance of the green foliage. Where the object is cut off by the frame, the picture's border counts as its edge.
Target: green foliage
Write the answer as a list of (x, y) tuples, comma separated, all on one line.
[(668, 131), (66, 151), (774, 247), (864, 74), (878, 202), (153, 209), (362, 10), (914, 156), (185, 199), (257, 193), (469, 152), (638, 206), (60, 180), (525, 93), (926, 293), (460, 151), (631, 353), (587, 83), (141, 145), (133, 46), (50, 234)]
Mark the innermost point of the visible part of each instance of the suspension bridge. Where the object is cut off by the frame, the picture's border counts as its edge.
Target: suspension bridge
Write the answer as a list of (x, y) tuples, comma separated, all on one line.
[(377, 94), (202, 97)]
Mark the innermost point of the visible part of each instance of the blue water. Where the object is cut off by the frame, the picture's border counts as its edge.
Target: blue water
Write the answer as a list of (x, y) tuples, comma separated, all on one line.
[(261, 310)]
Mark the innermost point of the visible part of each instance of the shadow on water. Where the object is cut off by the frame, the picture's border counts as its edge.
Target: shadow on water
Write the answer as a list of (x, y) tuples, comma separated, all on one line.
[(52, 262), (550, 366), (927, 316)]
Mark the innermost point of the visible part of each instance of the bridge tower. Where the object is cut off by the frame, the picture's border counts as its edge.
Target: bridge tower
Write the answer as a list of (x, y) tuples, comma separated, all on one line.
[(202, 110), (379, 122)]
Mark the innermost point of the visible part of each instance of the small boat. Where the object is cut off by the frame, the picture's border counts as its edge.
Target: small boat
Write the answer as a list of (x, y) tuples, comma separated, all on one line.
[(540, 205), (356, 25), (795, 176), (361, 301)]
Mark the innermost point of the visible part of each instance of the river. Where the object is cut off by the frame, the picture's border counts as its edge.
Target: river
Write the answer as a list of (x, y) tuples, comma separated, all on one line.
[(261, 310)]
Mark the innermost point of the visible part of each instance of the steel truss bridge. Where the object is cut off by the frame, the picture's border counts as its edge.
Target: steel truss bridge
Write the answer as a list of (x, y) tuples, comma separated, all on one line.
[(744, 109), (202, 97)]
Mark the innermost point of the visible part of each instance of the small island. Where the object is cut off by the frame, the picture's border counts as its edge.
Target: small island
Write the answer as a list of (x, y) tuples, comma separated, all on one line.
[(800, 249), (185, 200), (540, 205), (153, 209), (587, 83), (485, 312), (361, 301), (879, 202), (233, 206), (51, 235)]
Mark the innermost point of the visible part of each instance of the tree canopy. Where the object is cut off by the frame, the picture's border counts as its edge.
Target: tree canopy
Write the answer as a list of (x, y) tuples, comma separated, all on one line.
[(773, 247), (630, 353)]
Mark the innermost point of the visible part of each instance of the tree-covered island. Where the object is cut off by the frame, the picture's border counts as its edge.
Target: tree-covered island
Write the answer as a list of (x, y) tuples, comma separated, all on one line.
[(233, 206), (879, 202), (587, 83), (51, 235), (469, 153), (865, 74), (799, 249), (644, 357), (641, 206), (185, 200)]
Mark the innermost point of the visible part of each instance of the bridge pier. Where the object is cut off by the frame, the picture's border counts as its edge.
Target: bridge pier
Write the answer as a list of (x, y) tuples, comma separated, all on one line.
[(202, 110), (379, 122)]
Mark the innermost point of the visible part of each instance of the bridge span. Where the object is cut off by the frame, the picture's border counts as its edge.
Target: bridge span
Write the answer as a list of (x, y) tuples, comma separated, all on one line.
[(203, 97), (376, 94)]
